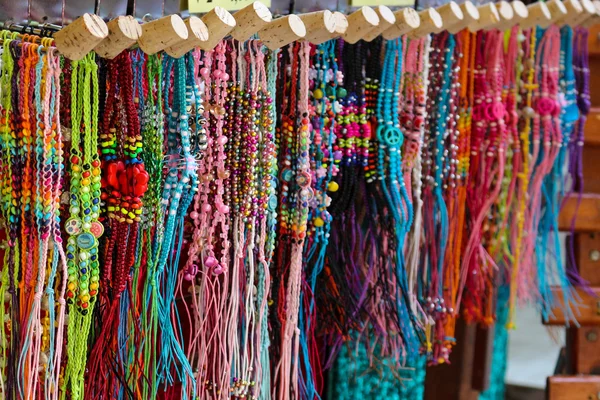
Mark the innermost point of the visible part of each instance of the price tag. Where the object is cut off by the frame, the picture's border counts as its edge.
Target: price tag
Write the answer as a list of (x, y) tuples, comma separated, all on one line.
[(389, 3), (204, 6)]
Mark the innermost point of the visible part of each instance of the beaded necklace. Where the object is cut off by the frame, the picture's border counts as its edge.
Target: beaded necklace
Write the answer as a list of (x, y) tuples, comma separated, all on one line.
[(286, 371), (390, 143), (123, 188), (488, 145), (82, 227)]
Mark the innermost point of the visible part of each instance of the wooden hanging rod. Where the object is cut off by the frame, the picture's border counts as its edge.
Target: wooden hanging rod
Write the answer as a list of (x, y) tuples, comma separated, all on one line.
[(176, 36)]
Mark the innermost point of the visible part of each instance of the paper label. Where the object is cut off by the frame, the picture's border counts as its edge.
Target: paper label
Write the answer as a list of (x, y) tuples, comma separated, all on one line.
[(204, 6)]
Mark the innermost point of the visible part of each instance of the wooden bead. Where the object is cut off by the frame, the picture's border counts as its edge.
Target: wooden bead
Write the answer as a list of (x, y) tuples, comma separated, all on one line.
[(470, 15), (197, 34), (360, 23), (431, 22), (451, 14), (488, 16), (407, 20), (320, 26), (282, 31), (159, 34), (80, 37), (386, 20), (538, 15), (250, 19), (220, 23), (123, 32)]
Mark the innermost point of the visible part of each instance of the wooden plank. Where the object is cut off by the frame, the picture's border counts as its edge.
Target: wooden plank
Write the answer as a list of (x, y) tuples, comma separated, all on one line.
[(591, 178), (588, 217), (587, 314), (592, 128), (573, 387), (587, 253), (594, 40), (584, 350), (482, 357), (453, 381)]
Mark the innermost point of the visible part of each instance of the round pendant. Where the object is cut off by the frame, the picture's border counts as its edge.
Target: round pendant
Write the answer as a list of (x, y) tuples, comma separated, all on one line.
[(73, 226), (97, 229), (86, 241)]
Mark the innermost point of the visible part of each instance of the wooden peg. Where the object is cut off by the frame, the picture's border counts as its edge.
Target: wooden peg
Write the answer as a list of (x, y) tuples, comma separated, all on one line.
[(431, 22), (521, 11), (470, 15), (123, 32), (250, 19), (595, 19), (558, 11), (220, 23), (360, 23), (507, 15), (574, 10), (488, 16), (386, 20), (282, 31), (341, 23), (451, 14), (320, 25), (340, 27), (539, 13), (80, 37), (407, 20), (161, 33), (588, 11), (197, 35)]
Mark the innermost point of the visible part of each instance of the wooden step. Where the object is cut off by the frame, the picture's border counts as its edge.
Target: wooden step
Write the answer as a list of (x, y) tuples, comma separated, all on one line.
[(587, 314), (573, 387), (588, 214)]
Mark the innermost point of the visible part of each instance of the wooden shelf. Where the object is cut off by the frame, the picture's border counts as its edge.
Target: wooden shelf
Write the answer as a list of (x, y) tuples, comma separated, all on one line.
[(587, 314), (588, 216), (573, 387)]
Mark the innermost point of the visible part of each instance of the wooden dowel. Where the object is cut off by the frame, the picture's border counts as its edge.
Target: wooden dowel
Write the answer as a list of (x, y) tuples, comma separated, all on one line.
[(538, 14), (470, 15), (386, 20), (558, 11), (488, 16), (595, 19), (521, 11), (123, 32), (159, 34), (320, 26), (451, 14), (360, 23), (282, 31), (81, 36), (341, 23), (197, 35), (574, 10), (220, 23), (588, 11), (407, 20), (340, 27), (250, 19), (431, 22), (506, 13)]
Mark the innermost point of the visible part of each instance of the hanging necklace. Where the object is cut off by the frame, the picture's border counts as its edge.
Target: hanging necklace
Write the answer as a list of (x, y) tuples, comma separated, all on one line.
[(82, 227)]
